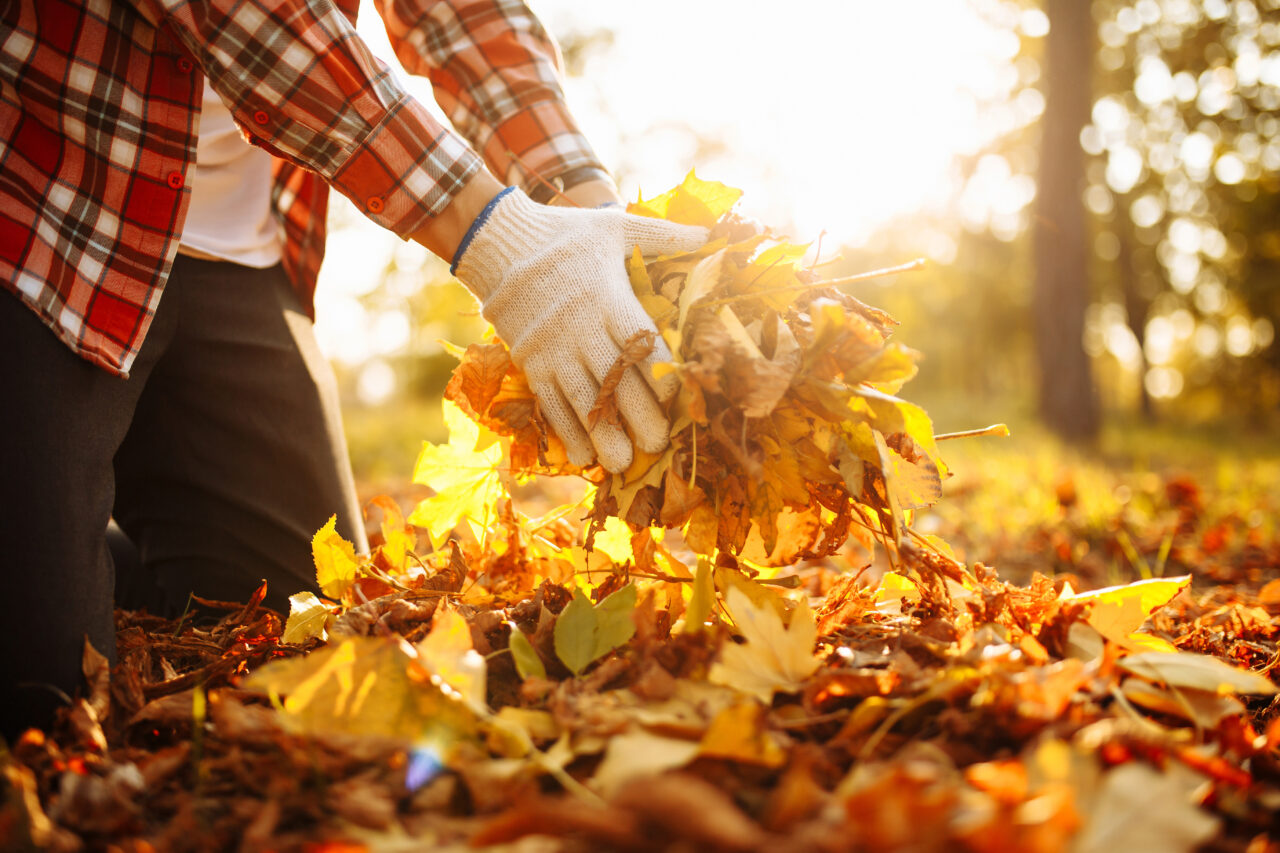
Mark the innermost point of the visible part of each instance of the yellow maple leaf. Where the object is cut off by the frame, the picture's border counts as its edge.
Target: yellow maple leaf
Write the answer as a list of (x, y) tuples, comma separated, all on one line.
[(464, 472), (335, 560), (774, 658), (614, 540), (361, 685), (1117, 612), (694, 202)]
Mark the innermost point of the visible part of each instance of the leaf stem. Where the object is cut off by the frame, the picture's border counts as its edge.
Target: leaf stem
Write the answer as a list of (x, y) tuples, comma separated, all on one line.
[(693, 472), (911, 266), (998, 430)]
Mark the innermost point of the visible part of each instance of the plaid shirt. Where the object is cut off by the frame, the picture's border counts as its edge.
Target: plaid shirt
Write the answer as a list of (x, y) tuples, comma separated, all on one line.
[(99, 107)]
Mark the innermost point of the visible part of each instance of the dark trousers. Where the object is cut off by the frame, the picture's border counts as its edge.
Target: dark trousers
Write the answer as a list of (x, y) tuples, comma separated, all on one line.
[(219, 458)]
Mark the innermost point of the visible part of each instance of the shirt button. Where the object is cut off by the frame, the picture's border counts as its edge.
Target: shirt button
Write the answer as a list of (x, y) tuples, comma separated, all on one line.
[(261, 117), (175, 180), (185, 65), (374, 205)]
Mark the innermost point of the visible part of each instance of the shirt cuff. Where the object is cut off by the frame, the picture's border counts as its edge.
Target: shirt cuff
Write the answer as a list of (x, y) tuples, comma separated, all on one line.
[(538, 145), (407, 170)]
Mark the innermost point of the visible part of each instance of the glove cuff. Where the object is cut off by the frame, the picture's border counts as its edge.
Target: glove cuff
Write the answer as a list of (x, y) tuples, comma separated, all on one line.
[(475, 227), (511, 227)]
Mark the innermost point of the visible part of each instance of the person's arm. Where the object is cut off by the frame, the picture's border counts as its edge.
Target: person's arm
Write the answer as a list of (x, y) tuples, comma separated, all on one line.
[(443, 233), (497, 74), (302, 84), (552, 281)]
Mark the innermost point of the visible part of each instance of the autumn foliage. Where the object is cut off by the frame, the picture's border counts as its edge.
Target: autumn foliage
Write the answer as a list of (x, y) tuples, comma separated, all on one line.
[(738, 644), (785, 424)]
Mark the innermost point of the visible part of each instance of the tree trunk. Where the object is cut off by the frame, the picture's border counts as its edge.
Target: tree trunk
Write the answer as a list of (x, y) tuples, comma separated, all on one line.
[(1068, 399), (1136, 305)]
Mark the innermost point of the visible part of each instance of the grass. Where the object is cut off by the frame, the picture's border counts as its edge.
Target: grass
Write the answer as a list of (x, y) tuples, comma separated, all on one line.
[(1108, 513), (1143, 500)]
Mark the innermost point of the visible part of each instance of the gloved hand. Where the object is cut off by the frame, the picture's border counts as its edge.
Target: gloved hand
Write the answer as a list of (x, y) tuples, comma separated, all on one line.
[(553, 283)]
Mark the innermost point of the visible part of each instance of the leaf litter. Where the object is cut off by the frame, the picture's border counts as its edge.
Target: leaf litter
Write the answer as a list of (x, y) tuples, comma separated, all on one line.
[(709, 661)]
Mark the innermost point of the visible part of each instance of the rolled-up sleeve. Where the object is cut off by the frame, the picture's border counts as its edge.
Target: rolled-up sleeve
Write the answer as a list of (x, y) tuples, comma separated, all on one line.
[(497, 75), (302, 84)]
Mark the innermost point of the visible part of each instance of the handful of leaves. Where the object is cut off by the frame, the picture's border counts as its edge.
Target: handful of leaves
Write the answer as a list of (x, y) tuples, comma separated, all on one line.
[(786, 430)]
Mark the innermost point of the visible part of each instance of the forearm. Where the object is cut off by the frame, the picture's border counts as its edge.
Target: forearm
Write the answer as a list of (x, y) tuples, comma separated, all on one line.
[(445, 231), (589, 194), (513, 109)]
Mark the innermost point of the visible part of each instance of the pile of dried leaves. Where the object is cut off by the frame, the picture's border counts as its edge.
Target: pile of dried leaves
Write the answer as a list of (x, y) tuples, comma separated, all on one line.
[(732, 677), (786, 433)]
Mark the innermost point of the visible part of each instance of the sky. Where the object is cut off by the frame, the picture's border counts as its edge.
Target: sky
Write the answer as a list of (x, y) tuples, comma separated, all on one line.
[(835, 118)]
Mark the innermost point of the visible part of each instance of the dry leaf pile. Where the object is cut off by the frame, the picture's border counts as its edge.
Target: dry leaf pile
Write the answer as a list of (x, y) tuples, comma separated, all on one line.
[(786, 434), (671, 687)]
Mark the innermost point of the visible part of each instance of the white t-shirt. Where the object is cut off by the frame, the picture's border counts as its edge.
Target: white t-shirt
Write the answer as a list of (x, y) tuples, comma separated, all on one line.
[(230, 214)]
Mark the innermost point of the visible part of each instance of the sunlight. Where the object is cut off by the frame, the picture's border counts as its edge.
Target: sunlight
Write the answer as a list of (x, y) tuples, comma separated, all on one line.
[(835, 117)]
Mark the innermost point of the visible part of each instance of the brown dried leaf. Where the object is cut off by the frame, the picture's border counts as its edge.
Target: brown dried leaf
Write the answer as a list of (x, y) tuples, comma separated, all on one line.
[(693, 811), (679, 499), (636, 349), (97, 674), (478, 377)]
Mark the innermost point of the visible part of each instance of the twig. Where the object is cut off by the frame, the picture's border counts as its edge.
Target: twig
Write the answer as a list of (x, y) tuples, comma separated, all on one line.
[(817, 253), (655, 576), (998, 430), (917, 264), (178, 628)]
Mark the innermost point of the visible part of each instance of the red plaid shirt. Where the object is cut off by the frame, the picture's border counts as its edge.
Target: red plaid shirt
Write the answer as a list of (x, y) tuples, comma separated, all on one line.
[(99, 104)]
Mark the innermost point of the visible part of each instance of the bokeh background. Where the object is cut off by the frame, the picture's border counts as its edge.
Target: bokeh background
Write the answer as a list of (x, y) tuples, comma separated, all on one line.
[(1095, 184)]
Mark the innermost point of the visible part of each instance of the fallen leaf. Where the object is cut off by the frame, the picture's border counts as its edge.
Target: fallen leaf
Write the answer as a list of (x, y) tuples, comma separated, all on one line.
[(398, 537), (308, 619), (360, 686), (1116, 612), (335, 560), (584, 634), (1202, 708), (1142, 810), (450, 660), (740, 733), (528, 663), (774, 658), (638, 754), (1201, 672)]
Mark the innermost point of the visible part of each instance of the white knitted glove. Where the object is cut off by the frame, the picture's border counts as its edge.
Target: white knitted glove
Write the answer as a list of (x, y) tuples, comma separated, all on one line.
[(553, 283)]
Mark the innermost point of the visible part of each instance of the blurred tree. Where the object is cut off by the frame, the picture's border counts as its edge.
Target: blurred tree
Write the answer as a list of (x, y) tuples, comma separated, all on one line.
[(1186, 193), (1067, 400), (1164, 117)]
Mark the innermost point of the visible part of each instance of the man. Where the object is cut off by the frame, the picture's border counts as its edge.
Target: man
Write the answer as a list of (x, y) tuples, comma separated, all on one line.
[(159, 365)]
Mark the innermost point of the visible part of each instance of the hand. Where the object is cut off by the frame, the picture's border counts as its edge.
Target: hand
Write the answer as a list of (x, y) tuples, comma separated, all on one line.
[(553, 283)]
